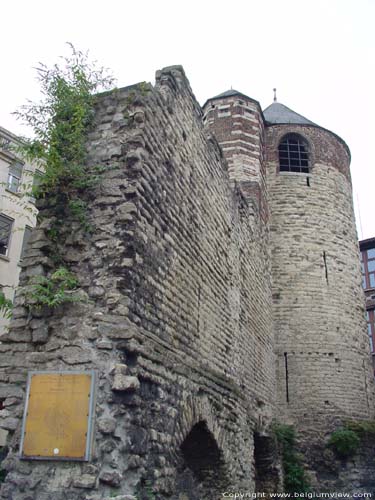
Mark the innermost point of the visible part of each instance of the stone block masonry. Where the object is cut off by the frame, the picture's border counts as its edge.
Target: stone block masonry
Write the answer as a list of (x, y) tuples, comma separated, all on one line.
[(218, 295), (176, 319), (318, 298), (323, 368)]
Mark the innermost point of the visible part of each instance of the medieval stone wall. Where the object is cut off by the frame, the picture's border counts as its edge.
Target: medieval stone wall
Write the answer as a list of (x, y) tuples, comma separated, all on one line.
[(181, 314), (176, 317)]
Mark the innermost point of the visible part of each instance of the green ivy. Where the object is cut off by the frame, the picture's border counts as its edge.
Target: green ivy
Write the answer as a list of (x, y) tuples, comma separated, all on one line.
[(149, 491), (60, 123), (362, 427), (144, 88), (144, 490), (344, 442), (51, 292), (6, 306), (295, 480)]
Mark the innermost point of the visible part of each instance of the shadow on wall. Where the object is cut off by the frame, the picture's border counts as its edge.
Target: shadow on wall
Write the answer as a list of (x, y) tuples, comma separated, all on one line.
[(201, 472), (267, 467)]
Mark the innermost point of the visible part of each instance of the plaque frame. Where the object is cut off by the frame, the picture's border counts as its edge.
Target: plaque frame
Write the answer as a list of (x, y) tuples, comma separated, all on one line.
[(90, 417)]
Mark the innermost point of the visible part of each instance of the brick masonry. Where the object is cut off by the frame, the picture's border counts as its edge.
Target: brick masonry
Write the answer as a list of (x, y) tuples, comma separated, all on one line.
[(178, 319)]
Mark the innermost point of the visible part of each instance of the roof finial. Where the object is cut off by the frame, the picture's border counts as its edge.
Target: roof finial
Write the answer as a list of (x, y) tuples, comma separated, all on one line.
[(274, 95)]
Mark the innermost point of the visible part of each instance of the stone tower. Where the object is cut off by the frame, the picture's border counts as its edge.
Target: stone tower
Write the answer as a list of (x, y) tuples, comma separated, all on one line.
[(324, 372), (296, 175)]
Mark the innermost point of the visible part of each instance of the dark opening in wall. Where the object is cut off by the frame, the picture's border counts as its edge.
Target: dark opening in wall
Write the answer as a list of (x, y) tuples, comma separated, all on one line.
[(3, 450), (286, 376), (3, 454), (293, 154), (267, 472), (202, 471), (325, 265)]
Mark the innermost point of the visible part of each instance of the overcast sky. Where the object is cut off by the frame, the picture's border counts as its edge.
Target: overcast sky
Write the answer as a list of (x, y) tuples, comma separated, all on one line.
[(318, 53)]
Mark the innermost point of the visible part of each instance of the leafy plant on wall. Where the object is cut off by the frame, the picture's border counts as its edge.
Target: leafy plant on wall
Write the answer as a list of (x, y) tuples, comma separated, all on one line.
[(6, 306), (60, 122), (295, 480)]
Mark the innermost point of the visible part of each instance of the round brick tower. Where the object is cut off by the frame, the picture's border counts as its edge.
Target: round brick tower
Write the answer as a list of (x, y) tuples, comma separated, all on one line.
[(323, 363)]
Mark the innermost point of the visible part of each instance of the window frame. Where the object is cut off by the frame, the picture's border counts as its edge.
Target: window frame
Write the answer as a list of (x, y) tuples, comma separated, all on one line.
[(300, 152), (7, 245), (14, 175), (368, 276), (370, 318)]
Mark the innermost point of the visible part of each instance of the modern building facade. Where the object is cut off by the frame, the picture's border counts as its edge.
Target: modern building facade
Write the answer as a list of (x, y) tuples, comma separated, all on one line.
[(17, 213), (367, 249)]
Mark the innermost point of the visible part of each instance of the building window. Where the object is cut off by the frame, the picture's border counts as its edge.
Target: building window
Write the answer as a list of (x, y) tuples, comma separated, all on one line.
[(26, 237), (14, 176), (368, 268), (5, 143), (293, 154), (371, 328), (5, 231)]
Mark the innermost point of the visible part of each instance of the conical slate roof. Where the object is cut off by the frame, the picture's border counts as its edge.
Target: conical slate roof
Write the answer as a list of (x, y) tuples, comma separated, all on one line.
[(229, 93), (278, 113)]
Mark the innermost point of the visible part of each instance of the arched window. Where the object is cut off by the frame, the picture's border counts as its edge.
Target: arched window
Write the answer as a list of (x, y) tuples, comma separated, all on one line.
[(293, 154)]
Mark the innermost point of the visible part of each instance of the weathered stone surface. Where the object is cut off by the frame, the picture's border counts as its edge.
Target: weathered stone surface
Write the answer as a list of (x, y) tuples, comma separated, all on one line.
[(9, 424), (107, 425), (177, 310), (113, 331), (113, 478), (119, 369), (104, 344), (96, 291), (3, 437), (72, 255), (40, 335), (110, 187), (75, 355), (86, 481), (121, 497), (125, 383)]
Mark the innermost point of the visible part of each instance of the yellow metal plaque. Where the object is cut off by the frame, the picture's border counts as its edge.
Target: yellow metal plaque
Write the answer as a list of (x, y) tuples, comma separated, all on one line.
[(57, 416)]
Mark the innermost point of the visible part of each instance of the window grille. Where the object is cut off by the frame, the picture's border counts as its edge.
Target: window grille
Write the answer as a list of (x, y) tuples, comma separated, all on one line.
[(14, 176), (5, 231), (293, 154)]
